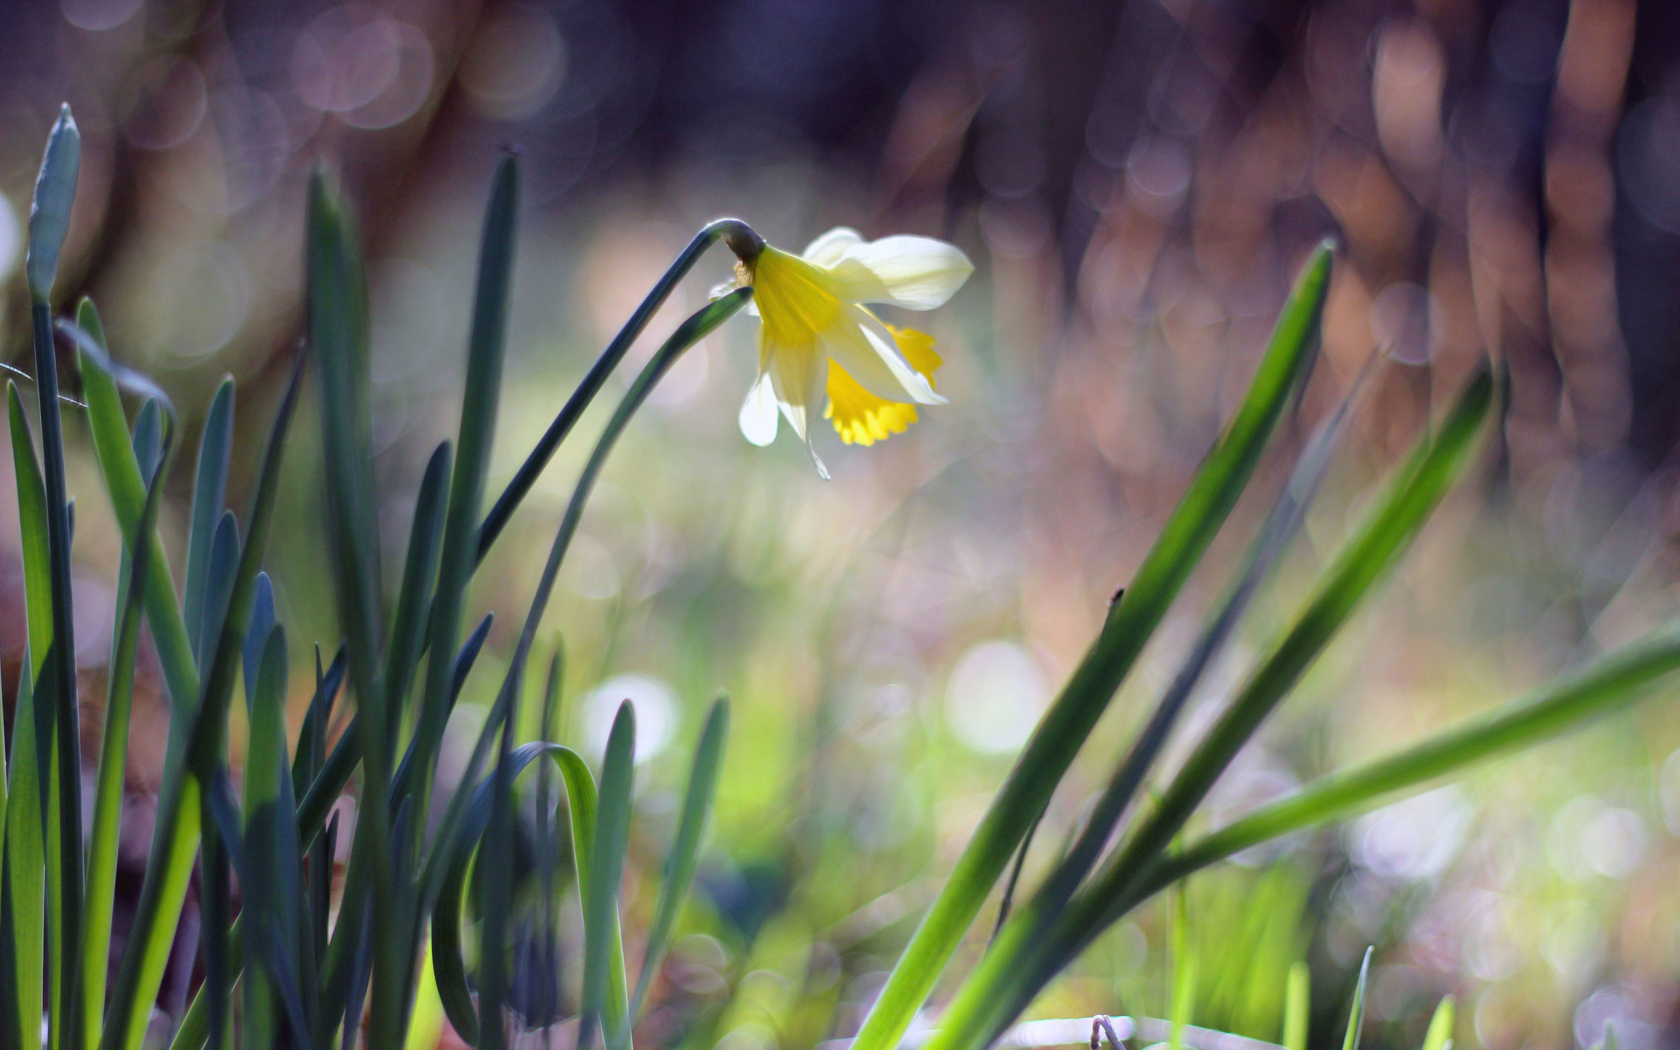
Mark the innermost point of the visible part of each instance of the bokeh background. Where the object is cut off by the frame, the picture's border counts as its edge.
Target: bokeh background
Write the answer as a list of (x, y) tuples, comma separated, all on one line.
[(1136, 182)]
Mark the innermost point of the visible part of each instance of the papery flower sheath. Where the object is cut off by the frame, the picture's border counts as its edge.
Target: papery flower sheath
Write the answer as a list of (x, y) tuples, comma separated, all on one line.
[(818, 340)]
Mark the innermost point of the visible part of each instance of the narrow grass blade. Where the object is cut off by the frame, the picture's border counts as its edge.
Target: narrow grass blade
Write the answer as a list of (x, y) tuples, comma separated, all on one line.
[(361, 971), (473, 445), (1183, 970), (148, 438), (338, 343), (685, 850), (1610, 684), (543, 1009), (1297, 1007), (256, 636), (32, 520), (1270, 542), (113, 759), (23, 907), (1439, 1036), (126, 487), (49, 224), (1356, 1013), (269, 873), (1062, 730), (308, 763), (219, 581), (495, 899), (458, 671), (215, 447), (606, 868), (419, 571), (216, 899)]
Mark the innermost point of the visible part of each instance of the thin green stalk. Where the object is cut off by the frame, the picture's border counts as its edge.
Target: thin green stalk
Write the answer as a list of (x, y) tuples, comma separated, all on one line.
[(67, 887), (596, 377), (113, 755)]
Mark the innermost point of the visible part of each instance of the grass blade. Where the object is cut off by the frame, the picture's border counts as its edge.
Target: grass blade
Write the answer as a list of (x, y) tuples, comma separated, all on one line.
[(23, 908), (1439, 1036), (49, 223), (269, 870), (474, 441), (29, 837), (1356, 1013), (1183, 970), (113, 758), (338, 343), (126, 486), (1063, 729), (685, 850), (215, 447), (606, 869), (262, 623), (219, 581), (1297, 1007), (419, 571), (495, 898), (1610, 684), (31, 764)]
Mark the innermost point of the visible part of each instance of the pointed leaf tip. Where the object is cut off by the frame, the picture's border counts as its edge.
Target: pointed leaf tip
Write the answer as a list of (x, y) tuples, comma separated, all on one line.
[(49, 216)]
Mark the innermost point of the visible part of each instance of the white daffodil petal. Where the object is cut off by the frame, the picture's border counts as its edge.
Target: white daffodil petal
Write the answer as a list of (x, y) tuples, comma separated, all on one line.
[(917, 273), (801, 375), (831, 246), (758, 412), (865, 349)]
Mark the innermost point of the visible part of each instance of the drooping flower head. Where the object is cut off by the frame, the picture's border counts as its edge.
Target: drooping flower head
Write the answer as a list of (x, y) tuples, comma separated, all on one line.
[(819, 341)]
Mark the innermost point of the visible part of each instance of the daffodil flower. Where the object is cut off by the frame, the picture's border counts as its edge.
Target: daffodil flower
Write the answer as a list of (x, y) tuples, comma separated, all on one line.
[(818, 339)]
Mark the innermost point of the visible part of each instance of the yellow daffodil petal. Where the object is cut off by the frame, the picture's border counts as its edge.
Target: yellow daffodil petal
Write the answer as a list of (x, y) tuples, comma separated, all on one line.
[(917, 273), (865, 349), (794, 301), (917, 348), (861, 418)]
